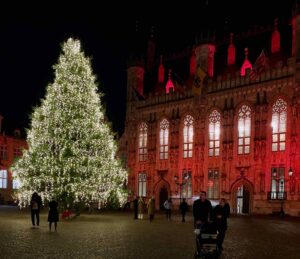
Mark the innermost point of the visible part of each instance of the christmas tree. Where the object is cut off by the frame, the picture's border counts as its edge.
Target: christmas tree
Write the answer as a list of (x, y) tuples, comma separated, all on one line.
[(71, 153)]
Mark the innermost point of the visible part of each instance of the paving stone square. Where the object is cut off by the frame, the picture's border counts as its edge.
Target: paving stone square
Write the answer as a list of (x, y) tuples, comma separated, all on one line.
[(118, 235)]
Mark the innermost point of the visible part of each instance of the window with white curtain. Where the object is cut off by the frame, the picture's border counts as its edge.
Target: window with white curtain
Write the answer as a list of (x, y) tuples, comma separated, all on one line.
[(214, 127), (279, 120), (164, 139), (143, 131), (188, 136), (244, 129)]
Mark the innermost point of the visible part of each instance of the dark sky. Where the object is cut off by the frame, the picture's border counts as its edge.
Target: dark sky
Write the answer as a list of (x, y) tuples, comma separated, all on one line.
[(31, 37)]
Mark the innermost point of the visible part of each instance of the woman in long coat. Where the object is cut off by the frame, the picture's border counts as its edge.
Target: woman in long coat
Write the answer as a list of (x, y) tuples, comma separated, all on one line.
[(140, 208), (151, 208)]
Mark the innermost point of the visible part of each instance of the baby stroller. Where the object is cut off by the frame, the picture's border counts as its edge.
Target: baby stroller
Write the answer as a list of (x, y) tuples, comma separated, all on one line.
[(206, 241)]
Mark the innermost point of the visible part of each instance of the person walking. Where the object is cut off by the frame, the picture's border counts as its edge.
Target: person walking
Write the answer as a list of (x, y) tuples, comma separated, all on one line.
[(220, 214), (168, 208), (53, 214), (151, 208), (183, 207), (141, 205), (202, 209), (135, 207), (35, 206)]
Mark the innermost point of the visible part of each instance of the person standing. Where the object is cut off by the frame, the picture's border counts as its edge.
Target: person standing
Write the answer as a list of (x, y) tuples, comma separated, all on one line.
[(183, 207), (221, 212), (53, 214), (202, 209), (35, 206), (168, 208), (135, 207), (151, 208), (141, 205)]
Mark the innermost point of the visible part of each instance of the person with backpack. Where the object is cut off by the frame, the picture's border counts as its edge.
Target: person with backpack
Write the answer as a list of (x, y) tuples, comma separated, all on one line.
[(35, 205)]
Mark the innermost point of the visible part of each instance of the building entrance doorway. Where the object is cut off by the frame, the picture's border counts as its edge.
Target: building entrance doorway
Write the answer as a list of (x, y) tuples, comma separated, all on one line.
[(242, 200), (163, 196)]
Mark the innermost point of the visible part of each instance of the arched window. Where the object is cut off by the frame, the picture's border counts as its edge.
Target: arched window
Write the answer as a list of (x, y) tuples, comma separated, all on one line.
[(279, 116), (244, 129), (214, 133), (143, 141), (188, 136), (164, 139)]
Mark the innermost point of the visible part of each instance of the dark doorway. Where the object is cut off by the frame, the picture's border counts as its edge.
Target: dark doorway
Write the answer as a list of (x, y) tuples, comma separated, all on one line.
[(163, 196), (246, 196), (243, 200)]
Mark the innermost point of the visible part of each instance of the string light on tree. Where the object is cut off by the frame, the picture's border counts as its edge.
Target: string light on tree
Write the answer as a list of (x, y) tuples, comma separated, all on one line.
[(71, 152)]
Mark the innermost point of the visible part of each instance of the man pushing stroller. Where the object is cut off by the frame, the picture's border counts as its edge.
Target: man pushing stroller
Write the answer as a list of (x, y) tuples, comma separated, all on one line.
[(210, 221)]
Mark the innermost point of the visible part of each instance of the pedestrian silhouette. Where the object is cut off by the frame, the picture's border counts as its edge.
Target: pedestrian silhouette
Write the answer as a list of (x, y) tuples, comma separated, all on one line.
[(135, 207), (53, 214), (183, 207), (35, 205)]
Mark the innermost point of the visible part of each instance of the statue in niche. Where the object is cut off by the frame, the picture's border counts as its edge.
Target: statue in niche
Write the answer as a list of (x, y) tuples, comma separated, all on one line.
[(224, 151), (230, 151), (263, 150), (256, 150)]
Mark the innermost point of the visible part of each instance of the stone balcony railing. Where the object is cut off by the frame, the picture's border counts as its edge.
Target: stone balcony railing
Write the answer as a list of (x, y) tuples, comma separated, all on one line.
[(221, 85)]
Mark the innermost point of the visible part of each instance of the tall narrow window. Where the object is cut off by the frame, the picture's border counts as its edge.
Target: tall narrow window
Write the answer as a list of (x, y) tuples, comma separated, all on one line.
[(244, 129), (277, 183), (214, 133), (188, 136), (3, 179), (187, 187), (213, 184), (279, 116), (143, 142), (3, 152), (17, 152), (142, 184), (164, 139)]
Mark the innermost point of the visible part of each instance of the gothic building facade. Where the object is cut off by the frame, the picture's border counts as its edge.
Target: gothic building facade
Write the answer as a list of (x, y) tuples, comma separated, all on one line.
[(229, 129), (10, 149)]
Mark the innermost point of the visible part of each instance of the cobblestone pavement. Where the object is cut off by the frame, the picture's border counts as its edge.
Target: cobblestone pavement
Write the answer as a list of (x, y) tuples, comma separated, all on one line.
[(117, 235)]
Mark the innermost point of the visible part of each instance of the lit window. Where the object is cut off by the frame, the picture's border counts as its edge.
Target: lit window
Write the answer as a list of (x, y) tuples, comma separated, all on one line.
[(188, 136), (164, 139), (3, 179), (279, 118), (15, 182), (214, 133), (143, 142), (187, 187), (244, 129), (213, 184), (142, 184), (277, 183)]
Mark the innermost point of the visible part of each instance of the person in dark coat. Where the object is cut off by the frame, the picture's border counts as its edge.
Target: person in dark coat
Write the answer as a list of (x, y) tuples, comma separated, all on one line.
[(202, 209), (135, 207), (183, 207), (53, 214), (35, 206), (221, 212)]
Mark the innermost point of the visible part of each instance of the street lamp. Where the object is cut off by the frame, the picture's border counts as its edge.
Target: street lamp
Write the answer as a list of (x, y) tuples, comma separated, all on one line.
[(180, 184), (292, 185)]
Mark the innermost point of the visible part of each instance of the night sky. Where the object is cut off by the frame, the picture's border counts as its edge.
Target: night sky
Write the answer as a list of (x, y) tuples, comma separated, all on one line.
[(31, 39)]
